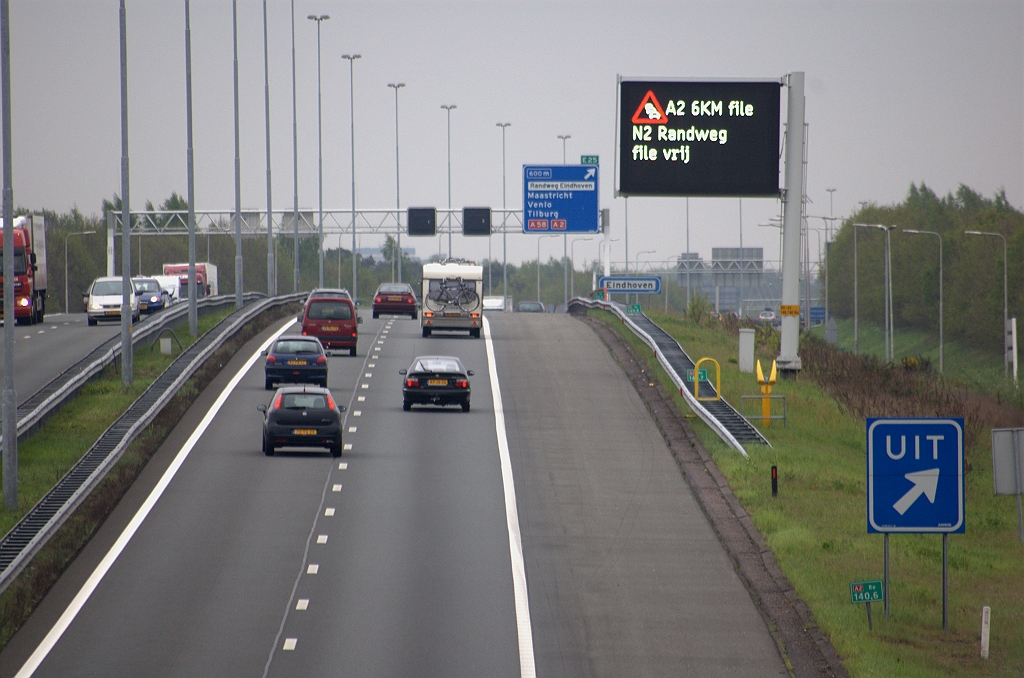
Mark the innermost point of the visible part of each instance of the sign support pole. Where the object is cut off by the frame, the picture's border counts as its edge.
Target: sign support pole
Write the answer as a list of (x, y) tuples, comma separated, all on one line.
[(945, 583), (1016, 482), (789, 358), (885, 568)]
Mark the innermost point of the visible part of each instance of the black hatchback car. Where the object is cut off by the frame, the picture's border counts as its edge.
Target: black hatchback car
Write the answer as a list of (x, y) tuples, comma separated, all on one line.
[(436, 380), (302, 416), (296, 360)]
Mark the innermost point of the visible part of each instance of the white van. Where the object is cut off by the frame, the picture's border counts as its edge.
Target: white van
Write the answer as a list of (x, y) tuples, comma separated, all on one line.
[(452, 297)]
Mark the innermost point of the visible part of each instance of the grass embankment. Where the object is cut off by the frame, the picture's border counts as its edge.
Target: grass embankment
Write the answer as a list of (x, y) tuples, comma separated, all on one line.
[(817, 526), (48, 454)]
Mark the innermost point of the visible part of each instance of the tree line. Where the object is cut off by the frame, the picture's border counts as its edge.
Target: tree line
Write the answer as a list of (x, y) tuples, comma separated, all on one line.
[(972, 265)]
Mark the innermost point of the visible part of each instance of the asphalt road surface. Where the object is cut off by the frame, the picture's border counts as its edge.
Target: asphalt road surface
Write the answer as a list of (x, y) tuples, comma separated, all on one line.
[(395, 560), (43, 351)]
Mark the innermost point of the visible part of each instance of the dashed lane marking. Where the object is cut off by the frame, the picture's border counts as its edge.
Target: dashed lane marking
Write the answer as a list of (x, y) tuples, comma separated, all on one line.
[(321, 539), (348, 446), (336, 488), (365, 386), (357, 413), (312, 569), (351, 429), (302, 604), (361, 399), (289, 643), (368, 375), (328, 512)]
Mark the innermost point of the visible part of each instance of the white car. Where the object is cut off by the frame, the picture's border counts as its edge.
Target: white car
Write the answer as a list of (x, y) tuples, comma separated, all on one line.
[(105, 297)]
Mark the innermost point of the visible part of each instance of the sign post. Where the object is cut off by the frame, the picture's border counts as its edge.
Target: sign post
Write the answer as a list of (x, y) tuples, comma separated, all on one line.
[(866, 592), (915, 484)]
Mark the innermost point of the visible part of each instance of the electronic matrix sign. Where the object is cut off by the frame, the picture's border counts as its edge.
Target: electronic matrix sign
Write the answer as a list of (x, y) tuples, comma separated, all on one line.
[(699, 138)]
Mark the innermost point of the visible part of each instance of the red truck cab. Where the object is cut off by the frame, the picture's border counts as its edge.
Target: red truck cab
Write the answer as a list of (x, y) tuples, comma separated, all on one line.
[(29, 270)]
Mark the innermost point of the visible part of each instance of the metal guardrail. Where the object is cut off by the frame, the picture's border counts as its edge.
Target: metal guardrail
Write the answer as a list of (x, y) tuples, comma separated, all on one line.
[(719, 415), (41, 404), (27, 538)]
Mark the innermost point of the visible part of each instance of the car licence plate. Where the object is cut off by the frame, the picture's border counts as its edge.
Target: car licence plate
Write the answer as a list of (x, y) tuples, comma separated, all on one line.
[(304, 432), (113, 313), (394, 298), (437, 382), (453, 315), (296, 362), (330, 328)]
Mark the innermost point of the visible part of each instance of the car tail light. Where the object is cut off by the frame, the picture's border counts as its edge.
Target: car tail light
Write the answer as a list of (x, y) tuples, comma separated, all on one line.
[(321, 360), (377, 299), (408, 301), (461, 383), (355, 333), (429, 314), (474, 315), (412, 383), (330, 402), (303, 332), (277, 402), (271, 359)]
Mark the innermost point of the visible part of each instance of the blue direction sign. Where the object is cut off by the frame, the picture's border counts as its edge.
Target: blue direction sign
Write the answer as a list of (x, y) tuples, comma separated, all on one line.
[(915, 475), (630, 284), (560, 199)]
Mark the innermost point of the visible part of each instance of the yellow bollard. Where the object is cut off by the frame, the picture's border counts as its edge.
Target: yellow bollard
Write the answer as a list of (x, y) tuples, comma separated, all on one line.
[(766, 390)]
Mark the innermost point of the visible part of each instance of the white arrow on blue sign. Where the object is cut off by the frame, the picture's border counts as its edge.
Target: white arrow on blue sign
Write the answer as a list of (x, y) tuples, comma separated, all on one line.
[(915, 475)]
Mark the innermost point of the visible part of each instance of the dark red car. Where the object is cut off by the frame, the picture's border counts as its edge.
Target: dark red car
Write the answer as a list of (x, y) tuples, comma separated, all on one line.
[(332, 320), (395, 299)]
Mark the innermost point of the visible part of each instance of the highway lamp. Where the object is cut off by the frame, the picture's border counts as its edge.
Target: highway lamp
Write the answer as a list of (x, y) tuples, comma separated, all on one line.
[(398, 200), (10, 397), (565, 238), (127, 353), (295, 162), (448, 108), (887, 290), (271, 243), (907, 230), (239, 286), (539, 238), (351, 58), (1006, 353), (67, 308), (319, 147), (831, 213), (504, 216), (572, 251)]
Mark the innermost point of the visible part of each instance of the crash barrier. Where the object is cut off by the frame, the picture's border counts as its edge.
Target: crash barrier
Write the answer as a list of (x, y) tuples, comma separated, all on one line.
[(716, 412), (30, 535)]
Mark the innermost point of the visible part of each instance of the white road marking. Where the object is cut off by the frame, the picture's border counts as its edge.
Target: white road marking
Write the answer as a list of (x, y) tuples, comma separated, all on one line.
[(80, 599), (527, 667), (368, 375), (328, 512), (303, 604), (336, 488), (351, 429), (348, 446), (312, 569), (361, 399), (40, 331), (365, 386), (289, 643), (357, 413), (27, 336), (372, 365), (321, 539), (380, 342)]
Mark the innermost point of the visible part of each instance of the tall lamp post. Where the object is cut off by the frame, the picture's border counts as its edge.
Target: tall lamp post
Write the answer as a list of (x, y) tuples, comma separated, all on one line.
[(907, 230), (67, 308), (504, 216), (398, 200), (295, 161), (271, 262), (239, 286), (887, 290), (539, 238), (10, 395), (319, 147), (565, 239), (351, 58), (572, 251), (448, 108), (1006, 353)]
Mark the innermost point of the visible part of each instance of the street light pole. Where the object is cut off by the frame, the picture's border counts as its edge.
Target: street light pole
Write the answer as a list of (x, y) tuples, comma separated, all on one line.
[(907, 230), (539, 238), (887, 291), (319, 148), (448, 108), (572, 250), (295, 159), (565, 240), (1006, 353), (398, 198), (271, 264), (67, 308), (238, 167), (504, 216), (10, 395), (352, 144)]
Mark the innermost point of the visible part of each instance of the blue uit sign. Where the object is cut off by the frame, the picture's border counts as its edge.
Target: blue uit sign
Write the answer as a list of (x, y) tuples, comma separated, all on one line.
[(915, 470), (560, 199)]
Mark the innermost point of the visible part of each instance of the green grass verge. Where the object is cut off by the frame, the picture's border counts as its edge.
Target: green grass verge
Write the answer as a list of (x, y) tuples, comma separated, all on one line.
[(817, 530)]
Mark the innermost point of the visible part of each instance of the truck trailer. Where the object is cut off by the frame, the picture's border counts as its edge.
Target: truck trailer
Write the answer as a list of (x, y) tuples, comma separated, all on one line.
[(29, 269), (206, 278)]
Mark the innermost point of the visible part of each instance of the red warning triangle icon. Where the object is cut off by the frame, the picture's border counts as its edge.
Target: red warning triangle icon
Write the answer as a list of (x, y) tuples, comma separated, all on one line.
[(650, 111)]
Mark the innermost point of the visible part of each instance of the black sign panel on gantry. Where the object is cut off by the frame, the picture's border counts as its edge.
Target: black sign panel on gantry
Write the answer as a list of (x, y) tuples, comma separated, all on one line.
[(699, 138)]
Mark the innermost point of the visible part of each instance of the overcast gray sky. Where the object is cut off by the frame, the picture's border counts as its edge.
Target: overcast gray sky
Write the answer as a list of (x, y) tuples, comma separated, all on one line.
[(897, 92)]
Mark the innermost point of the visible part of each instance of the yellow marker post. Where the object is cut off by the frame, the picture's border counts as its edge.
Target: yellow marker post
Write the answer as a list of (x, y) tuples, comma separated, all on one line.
[(696, 379), (766, 390)]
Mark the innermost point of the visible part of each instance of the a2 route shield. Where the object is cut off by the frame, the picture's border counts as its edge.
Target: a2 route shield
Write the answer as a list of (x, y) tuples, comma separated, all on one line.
[(915, 475)]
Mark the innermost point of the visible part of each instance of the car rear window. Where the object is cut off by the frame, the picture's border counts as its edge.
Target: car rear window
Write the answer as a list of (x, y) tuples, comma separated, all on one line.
[(304, 401), (395, 289), (296, 346), (107, 288), (146, 286), (436, 366), (329, 310)]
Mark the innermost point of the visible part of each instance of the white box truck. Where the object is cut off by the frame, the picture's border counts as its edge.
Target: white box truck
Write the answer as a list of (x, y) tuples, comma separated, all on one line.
[(452, 297)]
